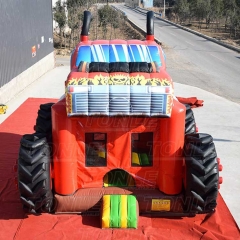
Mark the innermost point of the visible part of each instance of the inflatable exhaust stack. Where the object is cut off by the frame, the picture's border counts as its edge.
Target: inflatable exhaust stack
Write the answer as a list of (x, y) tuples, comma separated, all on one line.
[(150, 26), (86, 25)]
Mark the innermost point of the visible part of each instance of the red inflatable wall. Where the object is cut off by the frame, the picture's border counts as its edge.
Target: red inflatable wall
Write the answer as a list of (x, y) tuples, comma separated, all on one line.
[(72, 173)]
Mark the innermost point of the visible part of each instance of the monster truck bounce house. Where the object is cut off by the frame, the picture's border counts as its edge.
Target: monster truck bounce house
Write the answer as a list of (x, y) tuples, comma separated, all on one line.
[(119, 143)]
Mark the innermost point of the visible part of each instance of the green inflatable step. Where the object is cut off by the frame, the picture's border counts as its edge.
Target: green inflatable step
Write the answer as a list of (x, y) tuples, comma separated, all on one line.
[(119, 211)]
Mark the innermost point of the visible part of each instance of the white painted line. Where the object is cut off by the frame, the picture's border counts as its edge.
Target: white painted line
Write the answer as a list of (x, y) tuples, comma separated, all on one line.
[(217, 57), (172, 34), (189, 43)]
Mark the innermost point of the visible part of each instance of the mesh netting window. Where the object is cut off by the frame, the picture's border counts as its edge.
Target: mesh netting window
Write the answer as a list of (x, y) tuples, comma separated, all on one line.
[(142, 147), (95, 148)]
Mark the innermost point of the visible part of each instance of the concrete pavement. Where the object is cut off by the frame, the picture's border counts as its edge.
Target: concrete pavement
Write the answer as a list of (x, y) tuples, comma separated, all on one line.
[(218, 117)]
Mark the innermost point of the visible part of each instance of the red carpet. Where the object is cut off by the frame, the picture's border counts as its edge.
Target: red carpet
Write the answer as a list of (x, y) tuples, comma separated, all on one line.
[(15, 224)]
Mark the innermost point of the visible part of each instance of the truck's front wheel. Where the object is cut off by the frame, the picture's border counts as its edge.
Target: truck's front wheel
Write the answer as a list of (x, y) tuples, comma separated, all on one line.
[(34, 180), (202, 175)]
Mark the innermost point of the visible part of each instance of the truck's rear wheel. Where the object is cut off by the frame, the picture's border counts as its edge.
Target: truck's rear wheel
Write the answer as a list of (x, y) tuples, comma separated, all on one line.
[(190, 124), (201, 183), (44, 121), (34, 180)]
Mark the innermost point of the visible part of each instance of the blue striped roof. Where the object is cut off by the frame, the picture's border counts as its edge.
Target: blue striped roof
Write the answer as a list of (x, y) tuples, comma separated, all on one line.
[(118, 53)]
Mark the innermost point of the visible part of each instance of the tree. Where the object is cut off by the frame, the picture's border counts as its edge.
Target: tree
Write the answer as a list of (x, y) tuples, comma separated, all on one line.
[(199, 9), (229, 7), (104, 18), (238, 3), (212, 12), (75, 3), (183, 10), (59, 15), (216, 9), (75, 10), (108, 17), (213, 9), (234, 21), (232, 15)]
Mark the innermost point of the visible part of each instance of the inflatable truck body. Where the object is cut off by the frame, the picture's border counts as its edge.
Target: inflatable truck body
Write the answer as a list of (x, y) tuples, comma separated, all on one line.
[(119, 144)]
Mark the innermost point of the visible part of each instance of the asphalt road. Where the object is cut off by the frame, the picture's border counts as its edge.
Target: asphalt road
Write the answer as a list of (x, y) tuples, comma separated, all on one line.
[(193, 60)]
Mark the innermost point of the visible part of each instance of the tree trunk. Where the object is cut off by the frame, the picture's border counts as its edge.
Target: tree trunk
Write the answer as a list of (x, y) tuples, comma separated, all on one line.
[(60, 38), (226, 23), (111, 32)]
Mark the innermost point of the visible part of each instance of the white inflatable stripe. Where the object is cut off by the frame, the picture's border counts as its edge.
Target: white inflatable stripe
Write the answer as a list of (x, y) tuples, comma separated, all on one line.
[(115, 53), (140, 53), (103, 55), (132, 53), (94, 54), (99, 53), (125, 50), (149, 54), (144, 49)]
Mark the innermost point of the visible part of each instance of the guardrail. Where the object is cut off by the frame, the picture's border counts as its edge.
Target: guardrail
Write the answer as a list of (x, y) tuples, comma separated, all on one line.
[(119, 10)]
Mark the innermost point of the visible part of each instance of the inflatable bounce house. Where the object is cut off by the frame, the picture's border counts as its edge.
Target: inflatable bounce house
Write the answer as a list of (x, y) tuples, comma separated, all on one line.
[(119, 143)]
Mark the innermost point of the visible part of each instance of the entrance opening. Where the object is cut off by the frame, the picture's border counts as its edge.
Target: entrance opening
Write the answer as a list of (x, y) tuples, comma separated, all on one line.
[(118, 178)]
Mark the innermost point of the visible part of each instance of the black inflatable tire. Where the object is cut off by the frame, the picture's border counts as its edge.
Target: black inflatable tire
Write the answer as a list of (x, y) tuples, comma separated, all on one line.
[(190, 125), (44, 119), (201, 183), (34, 180), (44, 122)]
